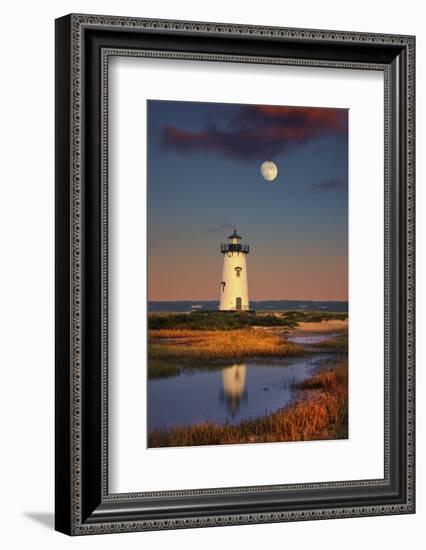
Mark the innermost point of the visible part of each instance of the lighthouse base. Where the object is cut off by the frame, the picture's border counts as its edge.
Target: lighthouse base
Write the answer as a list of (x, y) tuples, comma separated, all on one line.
[(238, 311), (225, 311)]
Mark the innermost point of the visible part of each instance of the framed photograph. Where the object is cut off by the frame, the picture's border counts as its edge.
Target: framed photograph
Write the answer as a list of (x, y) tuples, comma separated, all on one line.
[(234, 274)]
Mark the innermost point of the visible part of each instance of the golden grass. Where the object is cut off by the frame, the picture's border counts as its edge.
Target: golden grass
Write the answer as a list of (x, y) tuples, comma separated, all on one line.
[(322, 415), (330, 380), (216, 345)]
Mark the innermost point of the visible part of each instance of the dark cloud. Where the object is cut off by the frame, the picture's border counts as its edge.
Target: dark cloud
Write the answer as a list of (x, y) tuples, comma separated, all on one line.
[(258, 132), (332, 184)]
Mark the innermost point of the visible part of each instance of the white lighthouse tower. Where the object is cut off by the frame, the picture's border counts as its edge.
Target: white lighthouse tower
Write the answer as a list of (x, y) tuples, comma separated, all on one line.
[(233, 287)]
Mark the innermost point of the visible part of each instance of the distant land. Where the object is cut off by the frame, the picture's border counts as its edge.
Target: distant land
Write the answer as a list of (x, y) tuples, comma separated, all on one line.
[(307, 305)]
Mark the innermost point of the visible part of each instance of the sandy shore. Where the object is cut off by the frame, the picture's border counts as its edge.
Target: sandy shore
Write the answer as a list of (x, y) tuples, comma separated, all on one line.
[(332, 325)]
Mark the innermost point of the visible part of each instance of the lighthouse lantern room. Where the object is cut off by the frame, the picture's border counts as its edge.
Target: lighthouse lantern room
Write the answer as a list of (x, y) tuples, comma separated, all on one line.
[(233, 287)]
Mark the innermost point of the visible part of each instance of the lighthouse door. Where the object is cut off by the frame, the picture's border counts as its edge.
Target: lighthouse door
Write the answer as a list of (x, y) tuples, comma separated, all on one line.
[(238, 303)]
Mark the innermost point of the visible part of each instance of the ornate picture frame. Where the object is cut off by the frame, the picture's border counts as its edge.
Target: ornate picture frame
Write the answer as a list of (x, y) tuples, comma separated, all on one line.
[(84, 45)]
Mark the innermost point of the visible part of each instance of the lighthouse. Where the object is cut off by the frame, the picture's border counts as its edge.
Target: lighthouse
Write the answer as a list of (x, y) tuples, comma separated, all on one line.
[(233, 286)]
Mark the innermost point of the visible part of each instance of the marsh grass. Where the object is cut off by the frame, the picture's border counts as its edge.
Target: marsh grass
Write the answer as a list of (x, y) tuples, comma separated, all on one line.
[(323, 414), (188, 346), (338, 344), (329, 380)]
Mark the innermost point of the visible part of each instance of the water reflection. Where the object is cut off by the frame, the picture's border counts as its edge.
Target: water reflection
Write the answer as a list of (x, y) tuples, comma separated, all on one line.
[(233, 390), (229, 394)]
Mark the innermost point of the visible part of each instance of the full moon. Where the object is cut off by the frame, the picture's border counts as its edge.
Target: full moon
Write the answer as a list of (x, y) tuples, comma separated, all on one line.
[(269, 170)]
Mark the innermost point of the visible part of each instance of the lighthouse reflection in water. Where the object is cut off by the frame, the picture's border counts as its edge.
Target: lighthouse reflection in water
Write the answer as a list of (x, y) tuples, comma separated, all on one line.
[(229, 394), (233, 391)]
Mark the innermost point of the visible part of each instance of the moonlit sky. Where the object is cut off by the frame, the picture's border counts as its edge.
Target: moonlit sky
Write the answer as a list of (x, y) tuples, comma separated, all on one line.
[(204, 180)]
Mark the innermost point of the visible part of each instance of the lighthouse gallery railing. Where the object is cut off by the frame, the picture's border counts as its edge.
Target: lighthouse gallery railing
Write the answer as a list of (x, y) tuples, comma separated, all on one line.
[(235, 248)]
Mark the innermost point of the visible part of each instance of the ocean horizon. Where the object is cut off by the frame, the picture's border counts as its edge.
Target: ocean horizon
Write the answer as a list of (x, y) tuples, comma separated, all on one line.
[(205, 305)]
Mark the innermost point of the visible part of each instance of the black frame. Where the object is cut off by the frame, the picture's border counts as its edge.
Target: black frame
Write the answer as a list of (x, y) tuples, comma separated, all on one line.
[(83, 45)]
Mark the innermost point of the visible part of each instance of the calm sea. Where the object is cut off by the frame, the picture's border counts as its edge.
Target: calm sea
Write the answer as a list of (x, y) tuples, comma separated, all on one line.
[(184, 306)]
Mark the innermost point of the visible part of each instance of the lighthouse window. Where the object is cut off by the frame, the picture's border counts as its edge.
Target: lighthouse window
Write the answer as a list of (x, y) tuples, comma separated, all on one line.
[(238, 271)]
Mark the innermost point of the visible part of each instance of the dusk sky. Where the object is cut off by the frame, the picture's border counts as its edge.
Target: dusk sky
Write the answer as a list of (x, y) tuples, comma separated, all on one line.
[(204, 180)]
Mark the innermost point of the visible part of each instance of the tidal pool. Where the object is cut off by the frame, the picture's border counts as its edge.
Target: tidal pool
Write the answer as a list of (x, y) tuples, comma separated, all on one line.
[(311, 338), (229, 394)]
